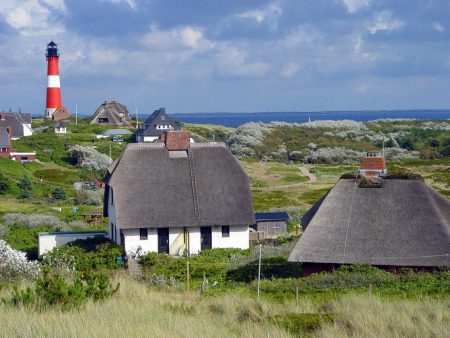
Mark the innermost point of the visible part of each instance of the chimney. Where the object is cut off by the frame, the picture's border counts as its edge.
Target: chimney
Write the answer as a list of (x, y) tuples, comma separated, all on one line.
[(9, 130), (176, 140)]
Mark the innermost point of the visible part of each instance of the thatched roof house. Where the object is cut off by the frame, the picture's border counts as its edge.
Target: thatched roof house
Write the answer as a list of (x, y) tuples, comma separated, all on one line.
[(197, 195), (405, 223), (111, 113)]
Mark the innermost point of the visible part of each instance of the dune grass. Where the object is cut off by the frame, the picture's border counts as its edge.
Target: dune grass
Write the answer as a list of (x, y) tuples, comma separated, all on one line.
[(137, 310)]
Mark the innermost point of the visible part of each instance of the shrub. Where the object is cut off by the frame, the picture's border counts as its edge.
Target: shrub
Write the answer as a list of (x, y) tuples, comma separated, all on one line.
[(5, 184), (89, 157), (88, 197), (14, 266), (86, 254), (26, 187), (54, 290), (24, 238), (59, 193), (32, 220)]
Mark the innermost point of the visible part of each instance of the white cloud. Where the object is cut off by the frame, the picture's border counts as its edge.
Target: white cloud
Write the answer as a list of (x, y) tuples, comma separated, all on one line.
[(384, 21), (358, 48), (438, 27), (233, 62), (303, 35), (290, 69), (131, 3), (269, 15), (178, 38), (353, 6), (34, 17)]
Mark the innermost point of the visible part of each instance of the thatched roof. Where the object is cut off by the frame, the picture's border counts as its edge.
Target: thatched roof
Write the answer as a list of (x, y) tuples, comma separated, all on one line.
[(403, 223), (153, 187), (115, 113)]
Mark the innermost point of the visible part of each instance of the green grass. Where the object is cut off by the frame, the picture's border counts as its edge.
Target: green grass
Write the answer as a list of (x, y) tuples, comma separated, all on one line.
[(283, 169), (57, 175), (264, 200), (313, 196), (12, 168), (295, 179)]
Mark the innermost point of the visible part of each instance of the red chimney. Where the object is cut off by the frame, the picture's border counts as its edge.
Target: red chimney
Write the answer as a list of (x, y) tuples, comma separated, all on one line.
[(177, 140)]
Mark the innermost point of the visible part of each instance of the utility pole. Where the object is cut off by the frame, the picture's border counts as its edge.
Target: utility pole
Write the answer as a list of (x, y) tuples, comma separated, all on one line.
[(187, 275), (137, 119), (259, 269), (76, 113), (110, 158)]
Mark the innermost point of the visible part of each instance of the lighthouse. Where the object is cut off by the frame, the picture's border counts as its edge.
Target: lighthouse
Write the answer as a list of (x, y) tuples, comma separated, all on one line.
[(54, 108)]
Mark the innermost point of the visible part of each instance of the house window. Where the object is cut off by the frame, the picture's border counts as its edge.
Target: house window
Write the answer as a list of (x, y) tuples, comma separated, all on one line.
[(103, 120), (143, 233), (225, 231), (163, 118)]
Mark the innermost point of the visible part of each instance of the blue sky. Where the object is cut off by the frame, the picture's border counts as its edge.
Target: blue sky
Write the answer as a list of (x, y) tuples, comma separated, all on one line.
[(234, 55)]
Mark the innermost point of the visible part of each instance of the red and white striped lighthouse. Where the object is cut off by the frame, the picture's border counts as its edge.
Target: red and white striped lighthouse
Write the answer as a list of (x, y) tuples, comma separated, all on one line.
[(54, 100)]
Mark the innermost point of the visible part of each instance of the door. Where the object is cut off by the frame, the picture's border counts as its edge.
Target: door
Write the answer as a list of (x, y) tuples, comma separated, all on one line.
[(163, 240), (205, 238)]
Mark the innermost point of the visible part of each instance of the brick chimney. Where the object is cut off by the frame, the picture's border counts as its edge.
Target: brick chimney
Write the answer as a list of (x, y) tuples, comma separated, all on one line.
[(176, 140)]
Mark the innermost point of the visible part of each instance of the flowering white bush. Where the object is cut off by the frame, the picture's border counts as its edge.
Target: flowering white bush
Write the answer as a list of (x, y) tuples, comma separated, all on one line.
[(14, 266), (335, 155), (32, 220), (396, 153), (90, 158), (336, 124), (242, 141), (436, 125)]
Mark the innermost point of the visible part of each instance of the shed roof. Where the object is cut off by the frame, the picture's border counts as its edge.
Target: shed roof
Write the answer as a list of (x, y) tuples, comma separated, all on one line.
[(113, 132), (112, 110), (404, 223), (271, 216), (151, 189)]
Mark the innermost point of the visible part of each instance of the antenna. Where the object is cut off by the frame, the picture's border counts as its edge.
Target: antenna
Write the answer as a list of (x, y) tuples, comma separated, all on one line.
[(76, 113)]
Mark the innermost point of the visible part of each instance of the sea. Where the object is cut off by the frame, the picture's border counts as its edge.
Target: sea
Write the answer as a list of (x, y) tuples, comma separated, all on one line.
[(234, 120)]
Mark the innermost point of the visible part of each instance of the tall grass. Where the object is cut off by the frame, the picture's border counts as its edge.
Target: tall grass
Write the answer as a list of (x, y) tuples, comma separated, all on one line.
[(139, 311)]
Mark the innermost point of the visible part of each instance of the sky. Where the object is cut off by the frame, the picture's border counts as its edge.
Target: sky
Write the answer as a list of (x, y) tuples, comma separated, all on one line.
[(228, 56)]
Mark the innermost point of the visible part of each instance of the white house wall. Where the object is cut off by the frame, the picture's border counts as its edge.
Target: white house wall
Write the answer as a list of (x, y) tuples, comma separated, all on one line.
[(194, 240), (239, 237), (47, 242), (133, 240)]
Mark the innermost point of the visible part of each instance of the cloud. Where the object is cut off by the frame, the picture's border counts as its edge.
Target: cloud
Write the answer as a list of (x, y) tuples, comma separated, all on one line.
[(290, 69), (353, 6), (34, 17), (384, 21), (359, 49), (303, 35), (269, 15), (233, 62), (131, 3), (177, 39), (438, 27)]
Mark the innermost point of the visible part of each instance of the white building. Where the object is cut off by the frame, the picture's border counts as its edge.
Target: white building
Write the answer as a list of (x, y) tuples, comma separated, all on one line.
[(60, 128), (20, 124), (178, 198)]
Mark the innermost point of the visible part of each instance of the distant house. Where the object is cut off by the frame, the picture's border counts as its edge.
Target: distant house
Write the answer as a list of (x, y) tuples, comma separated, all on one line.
[(19, 123), (115, 133), (405, 223), (373, 164), (111, 113), (271, 223), (61, 113), (178, 198), (6, 150), (60, 128), (155, 126)]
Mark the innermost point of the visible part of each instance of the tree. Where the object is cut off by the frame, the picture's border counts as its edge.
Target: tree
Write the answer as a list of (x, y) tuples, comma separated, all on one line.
[(26, 186), (5, 184), (59, 193)]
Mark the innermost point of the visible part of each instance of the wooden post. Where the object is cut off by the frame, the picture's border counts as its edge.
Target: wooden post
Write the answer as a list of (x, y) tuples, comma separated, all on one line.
[(187, 275), (296, 294), (259, 270)]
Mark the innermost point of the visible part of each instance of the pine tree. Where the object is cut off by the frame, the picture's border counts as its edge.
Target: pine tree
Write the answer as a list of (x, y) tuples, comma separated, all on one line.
[(26, 186)]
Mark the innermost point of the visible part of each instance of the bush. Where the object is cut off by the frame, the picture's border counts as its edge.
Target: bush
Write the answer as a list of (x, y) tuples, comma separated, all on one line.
[(24, 238), (89, 157), (54, 290), (14, 266), (88, 197), (85, 254), (26, 187), (5, 184), (59, 193)]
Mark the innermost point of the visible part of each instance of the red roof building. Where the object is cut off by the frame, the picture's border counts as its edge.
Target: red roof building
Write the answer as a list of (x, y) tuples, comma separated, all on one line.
[(373, 165)]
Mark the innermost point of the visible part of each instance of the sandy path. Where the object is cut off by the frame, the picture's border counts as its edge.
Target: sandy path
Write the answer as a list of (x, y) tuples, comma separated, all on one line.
[(305, 172)]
